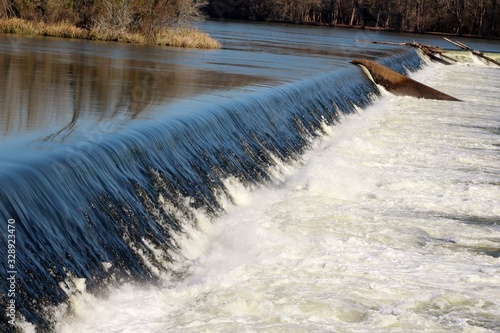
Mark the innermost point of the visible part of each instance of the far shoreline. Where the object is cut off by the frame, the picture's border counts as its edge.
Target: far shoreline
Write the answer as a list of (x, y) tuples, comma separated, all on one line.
[(358, 27), (434, 33)]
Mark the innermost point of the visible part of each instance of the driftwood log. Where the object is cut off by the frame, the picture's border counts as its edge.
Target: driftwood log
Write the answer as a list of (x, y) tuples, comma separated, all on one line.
[(433, 52), (476, 53), (436, 53)]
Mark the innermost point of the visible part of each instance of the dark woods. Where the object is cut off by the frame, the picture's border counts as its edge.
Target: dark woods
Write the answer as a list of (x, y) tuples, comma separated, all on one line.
[(144, 16), (470, 17), (473, 17)]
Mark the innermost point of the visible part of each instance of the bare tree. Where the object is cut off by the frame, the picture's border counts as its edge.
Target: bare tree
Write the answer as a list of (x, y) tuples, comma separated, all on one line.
[(477, 11), (355, 16), (405, 8), (7, 8), (114, 15), (492, 17), (187, 10), (456, 7), (332, 13)]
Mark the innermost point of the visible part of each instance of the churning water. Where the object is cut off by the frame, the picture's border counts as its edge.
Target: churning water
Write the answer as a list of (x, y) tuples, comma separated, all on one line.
[(293, 202)]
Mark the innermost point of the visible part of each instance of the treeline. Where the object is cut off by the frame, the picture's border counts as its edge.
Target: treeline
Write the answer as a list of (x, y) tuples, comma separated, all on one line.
[(131, 16), (473, 17)]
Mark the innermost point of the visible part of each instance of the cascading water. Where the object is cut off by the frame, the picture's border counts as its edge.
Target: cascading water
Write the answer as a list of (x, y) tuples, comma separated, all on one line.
[(100, 203)]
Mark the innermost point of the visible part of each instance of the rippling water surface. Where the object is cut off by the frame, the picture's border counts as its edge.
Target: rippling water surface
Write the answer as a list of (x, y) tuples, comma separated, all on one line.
[(54, 88)]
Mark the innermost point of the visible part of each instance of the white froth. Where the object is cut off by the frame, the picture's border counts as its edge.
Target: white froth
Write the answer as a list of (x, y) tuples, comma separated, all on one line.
[(384, 227)]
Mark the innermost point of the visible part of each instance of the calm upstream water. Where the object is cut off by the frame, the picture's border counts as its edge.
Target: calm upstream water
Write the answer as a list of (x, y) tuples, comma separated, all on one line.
[(264, 187)]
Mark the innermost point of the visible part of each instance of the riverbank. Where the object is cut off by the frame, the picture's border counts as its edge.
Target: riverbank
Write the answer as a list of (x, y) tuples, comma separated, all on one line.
[(187, 37), (435, 33), (373, 28)]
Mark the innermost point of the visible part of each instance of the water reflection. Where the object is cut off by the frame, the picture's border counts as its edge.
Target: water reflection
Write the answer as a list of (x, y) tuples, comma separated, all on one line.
[(55, 92)]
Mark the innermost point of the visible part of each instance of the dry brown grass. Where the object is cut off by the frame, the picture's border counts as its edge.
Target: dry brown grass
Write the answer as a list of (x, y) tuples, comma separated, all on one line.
[(61, 29), (18, 26), (177, 37), (185, 37), (111, 36)]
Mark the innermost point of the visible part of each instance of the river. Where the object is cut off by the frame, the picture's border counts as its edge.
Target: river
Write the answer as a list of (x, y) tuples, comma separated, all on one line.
[(267, 186)]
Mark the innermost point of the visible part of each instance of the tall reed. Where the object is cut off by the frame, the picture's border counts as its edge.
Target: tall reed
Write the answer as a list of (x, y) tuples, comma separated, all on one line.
[(188, 37)]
